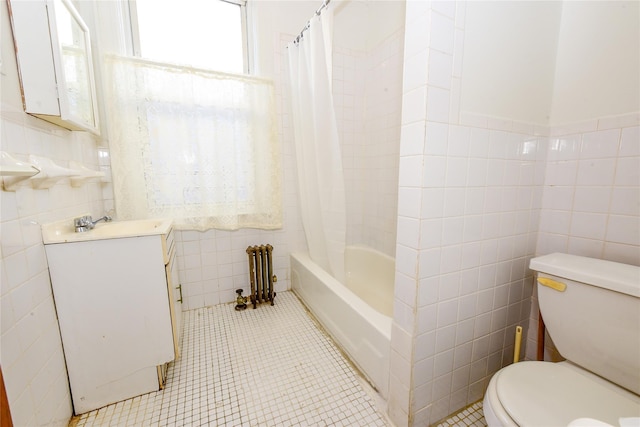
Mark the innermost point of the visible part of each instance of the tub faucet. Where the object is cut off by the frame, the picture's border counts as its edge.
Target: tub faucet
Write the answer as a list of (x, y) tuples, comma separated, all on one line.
[(86, 223)]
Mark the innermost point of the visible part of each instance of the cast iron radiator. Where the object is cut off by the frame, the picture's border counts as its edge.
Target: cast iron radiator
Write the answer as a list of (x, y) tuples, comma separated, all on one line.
[(261, 274)]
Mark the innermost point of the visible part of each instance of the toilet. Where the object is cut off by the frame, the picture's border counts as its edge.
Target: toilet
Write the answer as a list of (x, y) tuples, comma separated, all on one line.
[(591, 309)]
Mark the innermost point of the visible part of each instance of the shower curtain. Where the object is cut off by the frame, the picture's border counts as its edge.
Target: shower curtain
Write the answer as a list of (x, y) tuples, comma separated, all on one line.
[(318, 154)]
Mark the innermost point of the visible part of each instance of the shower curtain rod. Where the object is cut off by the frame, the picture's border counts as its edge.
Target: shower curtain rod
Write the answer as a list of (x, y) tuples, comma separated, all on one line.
[(325, 3)]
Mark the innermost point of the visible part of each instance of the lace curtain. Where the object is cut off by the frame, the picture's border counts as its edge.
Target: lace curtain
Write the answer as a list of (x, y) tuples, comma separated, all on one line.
[(197, 146)]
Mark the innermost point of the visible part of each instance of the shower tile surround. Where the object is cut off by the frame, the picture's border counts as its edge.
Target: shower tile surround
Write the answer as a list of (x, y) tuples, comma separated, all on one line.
[(367, 93), (286, 372)]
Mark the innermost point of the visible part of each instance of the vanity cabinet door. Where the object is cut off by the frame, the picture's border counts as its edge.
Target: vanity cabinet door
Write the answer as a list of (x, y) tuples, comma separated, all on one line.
[(175, 300), (114, 317)]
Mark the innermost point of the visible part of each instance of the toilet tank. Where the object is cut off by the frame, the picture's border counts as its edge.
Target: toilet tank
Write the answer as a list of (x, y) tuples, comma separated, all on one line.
[(591, 309)]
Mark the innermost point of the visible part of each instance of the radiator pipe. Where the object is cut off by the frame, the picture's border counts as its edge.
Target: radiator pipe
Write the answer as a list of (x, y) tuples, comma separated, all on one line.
[(241, 302)]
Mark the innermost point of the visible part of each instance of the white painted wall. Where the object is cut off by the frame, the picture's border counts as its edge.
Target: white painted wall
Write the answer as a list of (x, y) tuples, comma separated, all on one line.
[(551, 63), (363, 25), (358, 25), (509, 59), (269, 19), (598, 61)]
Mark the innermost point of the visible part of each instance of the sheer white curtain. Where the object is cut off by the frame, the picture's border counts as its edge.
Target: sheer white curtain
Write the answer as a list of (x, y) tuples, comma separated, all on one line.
[(319, 159), (197, 146)]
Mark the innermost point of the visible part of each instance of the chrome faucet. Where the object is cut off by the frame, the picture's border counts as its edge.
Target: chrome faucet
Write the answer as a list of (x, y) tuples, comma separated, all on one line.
[(86, 223)]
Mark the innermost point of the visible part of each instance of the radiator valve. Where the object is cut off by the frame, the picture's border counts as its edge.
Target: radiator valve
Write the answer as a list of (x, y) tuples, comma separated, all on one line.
[(241, 302)]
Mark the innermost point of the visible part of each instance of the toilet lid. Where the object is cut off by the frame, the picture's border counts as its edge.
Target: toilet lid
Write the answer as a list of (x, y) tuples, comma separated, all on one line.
[(554, 394)]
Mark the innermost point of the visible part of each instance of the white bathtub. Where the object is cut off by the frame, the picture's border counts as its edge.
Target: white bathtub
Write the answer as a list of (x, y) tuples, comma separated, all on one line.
[(358, 315)]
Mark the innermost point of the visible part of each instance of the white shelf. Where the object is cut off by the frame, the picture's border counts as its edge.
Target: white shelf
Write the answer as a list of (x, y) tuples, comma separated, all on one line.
[(10, 166), (84, 174), (50, 173), (42, 173)]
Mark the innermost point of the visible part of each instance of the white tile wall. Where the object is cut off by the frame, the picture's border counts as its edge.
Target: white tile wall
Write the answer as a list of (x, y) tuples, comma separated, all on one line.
[(590, 203), (367, 96), (31, 350), (483, 235), (213, 264), (478, 183), (591, 191), (383, 95), (349, 102)]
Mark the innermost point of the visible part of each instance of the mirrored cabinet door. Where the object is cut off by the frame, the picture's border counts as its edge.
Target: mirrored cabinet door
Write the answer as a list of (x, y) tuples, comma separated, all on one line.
[(53, 50), (74, 48)]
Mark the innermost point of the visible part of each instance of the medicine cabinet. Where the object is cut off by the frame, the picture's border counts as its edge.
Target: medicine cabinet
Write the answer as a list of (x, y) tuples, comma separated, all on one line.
[(53, 52)]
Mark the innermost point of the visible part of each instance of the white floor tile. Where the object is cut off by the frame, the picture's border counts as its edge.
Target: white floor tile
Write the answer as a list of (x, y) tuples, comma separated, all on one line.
[(471, 416), (269, 366)]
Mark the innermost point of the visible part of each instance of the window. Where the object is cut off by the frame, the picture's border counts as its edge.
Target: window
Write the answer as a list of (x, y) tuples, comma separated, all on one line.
[(202, 182), (199, 146), (208, 34)]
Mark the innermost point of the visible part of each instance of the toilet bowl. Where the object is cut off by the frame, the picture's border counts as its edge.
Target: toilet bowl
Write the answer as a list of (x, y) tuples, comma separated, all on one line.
[(592, 311), (554, 394)]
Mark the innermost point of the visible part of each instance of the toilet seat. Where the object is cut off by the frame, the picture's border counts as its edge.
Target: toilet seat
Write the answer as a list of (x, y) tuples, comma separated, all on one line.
[(545, 394)]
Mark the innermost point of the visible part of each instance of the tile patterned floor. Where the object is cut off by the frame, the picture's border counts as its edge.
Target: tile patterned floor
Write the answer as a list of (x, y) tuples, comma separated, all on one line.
[(469, 417), (266, 367)]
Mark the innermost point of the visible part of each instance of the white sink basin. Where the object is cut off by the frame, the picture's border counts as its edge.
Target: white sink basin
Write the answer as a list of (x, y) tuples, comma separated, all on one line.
[(64, 231)]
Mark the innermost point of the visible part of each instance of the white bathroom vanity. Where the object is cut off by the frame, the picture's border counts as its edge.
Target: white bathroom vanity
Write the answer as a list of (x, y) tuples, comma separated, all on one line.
[(118, 303)]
